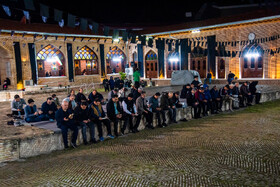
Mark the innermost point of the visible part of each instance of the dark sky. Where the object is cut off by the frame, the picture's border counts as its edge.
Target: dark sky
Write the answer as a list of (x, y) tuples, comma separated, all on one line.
[(129, 13)]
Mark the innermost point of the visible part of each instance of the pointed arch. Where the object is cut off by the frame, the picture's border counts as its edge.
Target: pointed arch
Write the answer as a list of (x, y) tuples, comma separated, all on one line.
[(85, 61), (50, 62), (252, 61), (198, 61), (151, 64), (115, 60)]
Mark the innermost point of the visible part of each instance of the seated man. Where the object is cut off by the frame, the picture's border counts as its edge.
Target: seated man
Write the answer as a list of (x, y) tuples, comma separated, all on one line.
[(65, 121), (208, 97), (115, 91), (216, 99), (137, 94), (167, 105), (82, 115), (71, 102), (130, 111), (93, 95), (80, 97), (244, 91), (176, 100), (31, 113), (194, 103), (224, 92), (56, 100), (196, 83), (114, 112), (49, 108), (200, 97), (99, 117), (17, 105), (143, 109), (154, 107)]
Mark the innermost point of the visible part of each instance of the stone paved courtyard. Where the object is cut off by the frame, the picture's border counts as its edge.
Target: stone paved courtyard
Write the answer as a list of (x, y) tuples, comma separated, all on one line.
[(230, 149)]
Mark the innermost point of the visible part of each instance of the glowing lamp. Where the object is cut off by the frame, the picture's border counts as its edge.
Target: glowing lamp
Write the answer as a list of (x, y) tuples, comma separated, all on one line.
[(173, 59), (196, 31), (252, 55), (117, 59)]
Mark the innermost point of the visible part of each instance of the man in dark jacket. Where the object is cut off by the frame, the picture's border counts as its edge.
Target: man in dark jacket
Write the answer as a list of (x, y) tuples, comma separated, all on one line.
[(154, 106), (130, 111), (137, 94), (106, 84), (200, 97), (65, 121), (80, 97), (244, 91), (49, 108), (99, 118), (216, 99), (253, 90), (143, 109), (166, 104), (114, 112), (93, 95), (230, 77), (196, 83), (82, 115), (176, 100)]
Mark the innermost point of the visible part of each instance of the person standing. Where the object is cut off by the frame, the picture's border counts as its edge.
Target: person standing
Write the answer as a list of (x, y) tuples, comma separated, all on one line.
[(65, 121), (136, 78), (111, 83), (230, 77), (143, 109), (106, 84), (209, 77)]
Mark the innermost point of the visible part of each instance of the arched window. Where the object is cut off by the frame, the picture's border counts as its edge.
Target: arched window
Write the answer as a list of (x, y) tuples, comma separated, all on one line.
[(50, 62), (115, 60), (252, 59), (85, 62)]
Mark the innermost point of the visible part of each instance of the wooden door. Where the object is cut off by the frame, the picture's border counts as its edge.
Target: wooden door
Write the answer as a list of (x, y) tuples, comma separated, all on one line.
[(151, 68), (199, 64), (221, 68), (171, 66), (252, 67)]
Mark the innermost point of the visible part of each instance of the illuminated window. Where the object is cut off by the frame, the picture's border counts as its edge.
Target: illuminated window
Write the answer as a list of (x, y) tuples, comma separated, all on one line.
[(86, 62), (50, 61)]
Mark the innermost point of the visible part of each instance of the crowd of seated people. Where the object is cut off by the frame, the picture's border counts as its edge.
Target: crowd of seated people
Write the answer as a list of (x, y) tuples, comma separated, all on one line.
[(77, 111)]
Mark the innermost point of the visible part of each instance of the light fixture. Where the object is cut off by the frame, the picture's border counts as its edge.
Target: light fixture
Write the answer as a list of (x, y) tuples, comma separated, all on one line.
[(252, 55), (196, 31), (116, 40), (173, 59), (117, 59)]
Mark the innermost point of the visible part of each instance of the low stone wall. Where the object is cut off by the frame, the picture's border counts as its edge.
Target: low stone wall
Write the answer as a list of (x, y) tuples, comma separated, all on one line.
[(11, 150)]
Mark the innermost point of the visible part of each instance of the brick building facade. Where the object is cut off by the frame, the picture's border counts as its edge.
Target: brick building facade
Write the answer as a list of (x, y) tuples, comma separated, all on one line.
[(154, 62)]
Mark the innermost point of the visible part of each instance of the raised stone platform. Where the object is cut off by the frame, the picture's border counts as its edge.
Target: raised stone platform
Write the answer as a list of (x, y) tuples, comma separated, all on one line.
[(15, 149)]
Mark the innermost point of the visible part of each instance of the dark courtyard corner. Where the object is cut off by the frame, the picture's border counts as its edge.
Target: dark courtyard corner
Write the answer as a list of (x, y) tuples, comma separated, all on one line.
[(229, 149)]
